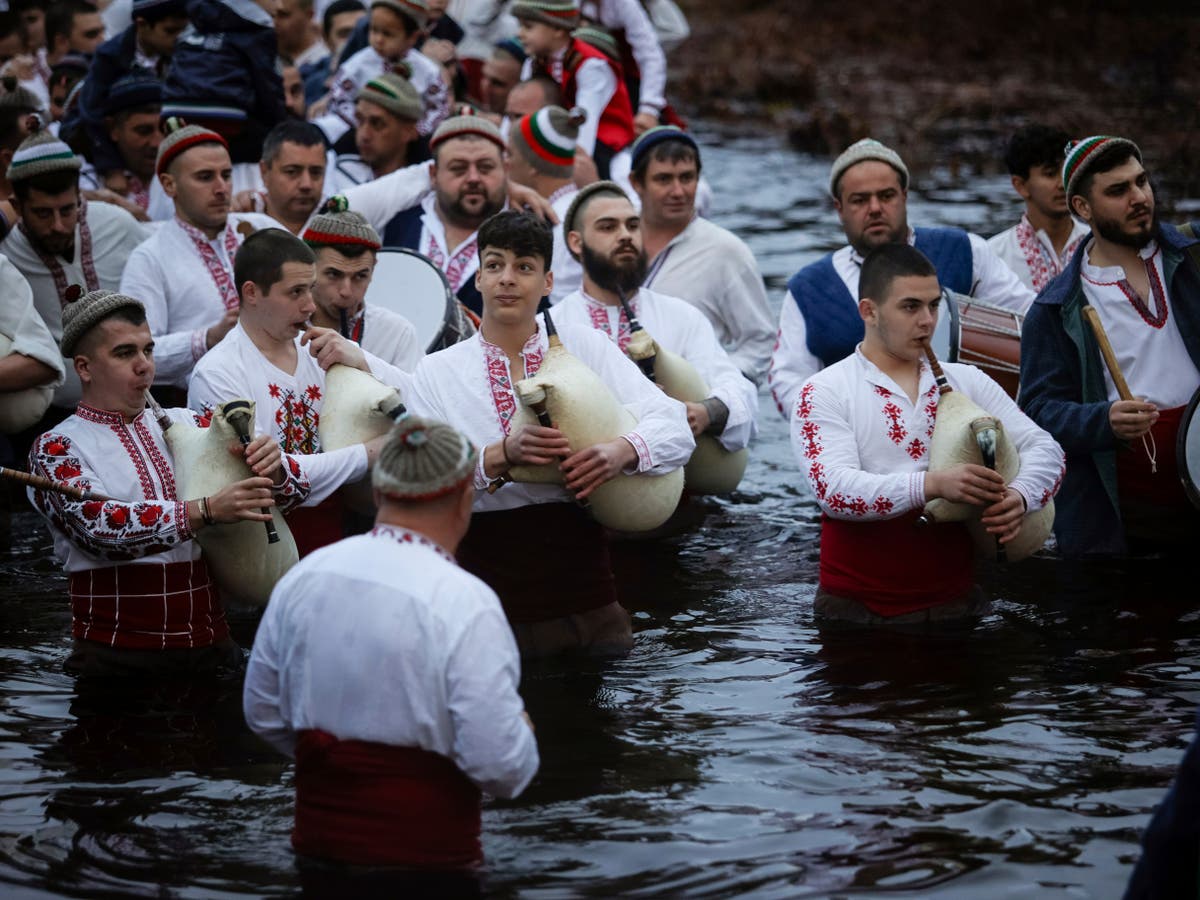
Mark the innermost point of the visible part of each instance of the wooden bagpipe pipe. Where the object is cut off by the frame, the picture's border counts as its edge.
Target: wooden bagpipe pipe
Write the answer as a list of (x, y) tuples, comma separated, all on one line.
[(966, 433), (712, 469)]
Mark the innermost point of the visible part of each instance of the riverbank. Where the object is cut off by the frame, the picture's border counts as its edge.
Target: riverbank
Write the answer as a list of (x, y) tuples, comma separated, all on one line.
[(946, 83)]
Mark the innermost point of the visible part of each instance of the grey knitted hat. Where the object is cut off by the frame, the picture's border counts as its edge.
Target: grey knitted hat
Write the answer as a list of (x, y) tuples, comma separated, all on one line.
[(414, 9), (422, 459), (861, 151), (463, 125), (337, 226), (82, 312), (601, 38), (395, 93), (559, 13), (13, 95), (40, 153), (179, 137), (546, 139)]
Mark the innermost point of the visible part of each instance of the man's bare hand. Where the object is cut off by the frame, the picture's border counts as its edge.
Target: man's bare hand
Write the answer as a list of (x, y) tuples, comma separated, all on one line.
[(329, 347), (965, 483), (698, 419), (263, 456), (1004, 519), (522, 197), (588, 469), (242, 500), (245, 201), (213, 336), (1130, 419), (535, 445), (644, 121)]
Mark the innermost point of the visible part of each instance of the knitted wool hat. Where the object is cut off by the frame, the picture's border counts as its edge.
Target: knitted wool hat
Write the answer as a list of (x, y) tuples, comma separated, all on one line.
[(394, 93), (13, 95), (337, 226), (559, 13), (40, 153), (464, 124), (512, 47), (82, 312), (1081, 155), (414, 9), (651, 137), (586, 193), (600, 38), (180, 137), (547, 139), (861, 151), (422, 459), (133, 91)]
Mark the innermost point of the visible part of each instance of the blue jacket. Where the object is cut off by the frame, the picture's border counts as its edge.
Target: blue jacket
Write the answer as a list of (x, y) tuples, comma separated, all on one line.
[(1063, 391), (227, 60), (404, 230), (832, 323)]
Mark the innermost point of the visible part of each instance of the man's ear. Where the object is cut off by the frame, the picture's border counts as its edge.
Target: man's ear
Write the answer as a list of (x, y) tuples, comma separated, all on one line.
[(1020, 186), (866, 309), (167, 180), (249, 293), (82, 369), (575, 243), (1080, 206)]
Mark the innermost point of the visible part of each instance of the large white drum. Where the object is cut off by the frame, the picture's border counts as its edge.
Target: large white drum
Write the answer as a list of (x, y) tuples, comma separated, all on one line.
[(407, 283)]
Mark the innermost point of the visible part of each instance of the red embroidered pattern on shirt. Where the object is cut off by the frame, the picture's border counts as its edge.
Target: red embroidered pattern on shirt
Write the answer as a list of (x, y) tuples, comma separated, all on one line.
[(221, 276), (495, 361), (599, 314), (804, 403), (457, 268), (856, 506), (404, 536), (296, 418), (165, 476), (896, 431), (816, 475), (1048, 495), (1156, 319), (1043, 266)]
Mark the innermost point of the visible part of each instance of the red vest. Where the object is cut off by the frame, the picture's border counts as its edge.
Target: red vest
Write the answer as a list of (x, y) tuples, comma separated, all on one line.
[(371, 804), (894, 566), (616, 122)]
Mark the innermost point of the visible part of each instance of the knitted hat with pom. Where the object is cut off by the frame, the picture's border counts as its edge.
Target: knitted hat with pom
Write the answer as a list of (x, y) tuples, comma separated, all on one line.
[(1081, 156), (180, 137), (41, 153), (547, 138), (336, 226), (421, 460)]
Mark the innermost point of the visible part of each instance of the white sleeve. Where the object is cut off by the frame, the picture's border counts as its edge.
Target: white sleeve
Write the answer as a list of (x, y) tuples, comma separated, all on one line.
[(648, 53), (20, 321), (328, 471), (595, 85), (662, 437), (379, 200), (994, 281), (390, 375), (792, 363), (724, 380), (826, 450), (175, 353), (261, 694), (493, 745), (1043, 462), (748, 316), (210, 386)]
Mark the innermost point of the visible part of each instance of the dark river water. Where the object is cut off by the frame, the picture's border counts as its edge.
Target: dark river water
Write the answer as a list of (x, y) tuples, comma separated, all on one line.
[(737, 751)]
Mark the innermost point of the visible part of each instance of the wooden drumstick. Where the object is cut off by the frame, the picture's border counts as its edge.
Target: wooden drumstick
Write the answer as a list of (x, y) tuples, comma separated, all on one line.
[(42, 483), (1106, 351)]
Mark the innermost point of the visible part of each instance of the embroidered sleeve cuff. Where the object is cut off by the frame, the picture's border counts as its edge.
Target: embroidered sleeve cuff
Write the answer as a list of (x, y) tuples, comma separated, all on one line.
[(640, 447), (199, 343), (183, 525), (295, 488), (916, 490)]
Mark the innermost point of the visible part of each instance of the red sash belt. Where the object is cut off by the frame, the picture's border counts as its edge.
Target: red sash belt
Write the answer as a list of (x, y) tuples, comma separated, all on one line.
[(148, 606), (1137, 486), (373, 804), (894, 566), (545, 561), (318, 526)]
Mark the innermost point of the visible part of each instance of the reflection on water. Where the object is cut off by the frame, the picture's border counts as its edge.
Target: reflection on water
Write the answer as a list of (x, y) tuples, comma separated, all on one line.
[(737, 750)]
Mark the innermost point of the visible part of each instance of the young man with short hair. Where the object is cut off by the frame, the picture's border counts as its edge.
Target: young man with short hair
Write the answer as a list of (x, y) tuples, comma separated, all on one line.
[(1040, 246), (264, 358), (604, 231), (470, 385), (387, 111), (1122, 493), (62, 239), (819, 322), (142, 601), (694, 259), (861, 433)]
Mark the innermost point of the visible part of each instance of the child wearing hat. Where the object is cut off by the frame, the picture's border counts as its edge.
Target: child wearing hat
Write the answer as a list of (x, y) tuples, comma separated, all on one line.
[(395, 28), (587, 76)]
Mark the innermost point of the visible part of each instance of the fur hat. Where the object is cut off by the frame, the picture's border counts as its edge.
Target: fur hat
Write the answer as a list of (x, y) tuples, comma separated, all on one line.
[(414, 9)]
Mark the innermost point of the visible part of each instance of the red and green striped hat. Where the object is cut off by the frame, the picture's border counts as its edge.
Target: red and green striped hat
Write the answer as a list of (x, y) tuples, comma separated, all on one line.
[(559, 13), (1082, 155), (336, 226), (180, 137), (40, 153), (395, 93), (547, 138)]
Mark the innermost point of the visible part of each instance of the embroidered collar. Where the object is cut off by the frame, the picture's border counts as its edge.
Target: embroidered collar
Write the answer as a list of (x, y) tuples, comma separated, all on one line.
[(407, 536), (565, 191), (220, 273), (462, 261), (499, 377), (876, 376), (103, 416), (598, 311), (1037, 248)]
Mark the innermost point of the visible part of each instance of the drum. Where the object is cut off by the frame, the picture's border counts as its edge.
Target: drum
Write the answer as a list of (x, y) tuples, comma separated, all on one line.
[(988, 336), (407, 283), (1187, 450)]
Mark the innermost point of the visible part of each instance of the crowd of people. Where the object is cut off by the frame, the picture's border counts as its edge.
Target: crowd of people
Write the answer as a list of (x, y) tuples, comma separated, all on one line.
[(194, 200)]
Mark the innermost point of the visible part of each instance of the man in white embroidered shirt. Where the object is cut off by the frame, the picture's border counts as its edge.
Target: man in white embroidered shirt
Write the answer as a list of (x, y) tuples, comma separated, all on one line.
[(861, 433), (142, 601), (388, 787), (546, 558), (184, 272)]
